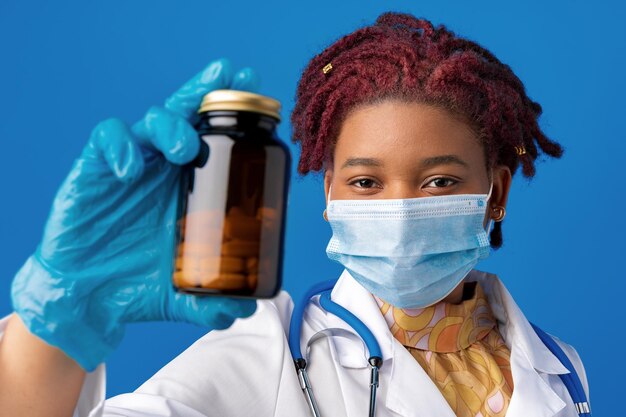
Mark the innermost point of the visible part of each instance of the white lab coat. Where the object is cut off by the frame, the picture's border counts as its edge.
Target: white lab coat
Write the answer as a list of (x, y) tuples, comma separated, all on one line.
[(247, 369)]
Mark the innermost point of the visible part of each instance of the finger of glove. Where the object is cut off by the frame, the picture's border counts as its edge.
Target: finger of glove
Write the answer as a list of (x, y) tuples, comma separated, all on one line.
[(113, 141), (246, 79), (169, 133), (186, 100), (215, 312)]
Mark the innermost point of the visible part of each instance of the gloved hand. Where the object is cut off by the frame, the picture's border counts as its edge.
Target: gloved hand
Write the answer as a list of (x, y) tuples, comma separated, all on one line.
[(107, 250)]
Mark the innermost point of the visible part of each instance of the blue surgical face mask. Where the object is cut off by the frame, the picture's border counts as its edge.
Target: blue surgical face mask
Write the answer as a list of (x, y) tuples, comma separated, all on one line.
[(409, 252)]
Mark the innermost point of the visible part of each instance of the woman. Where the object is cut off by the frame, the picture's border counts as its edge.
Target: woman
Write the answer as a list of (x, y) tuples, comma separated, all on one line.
[(418, 133)]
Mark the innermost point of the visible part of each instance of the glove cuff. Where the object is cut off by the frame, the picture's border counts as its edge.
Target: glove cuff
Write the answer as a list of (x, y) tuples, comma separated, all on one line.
[(52, 309)]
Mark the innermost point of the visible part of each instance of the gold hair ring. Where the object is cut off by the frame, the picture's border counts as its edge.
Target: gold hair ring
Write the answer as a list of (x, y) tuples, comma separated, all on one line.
[(500, 212), (327, 68), (520, 150)]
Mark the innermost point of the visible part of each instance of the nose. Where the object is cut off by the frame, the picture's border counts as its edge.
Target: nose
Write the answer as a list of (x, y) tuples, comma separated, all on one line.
[(401, 190)]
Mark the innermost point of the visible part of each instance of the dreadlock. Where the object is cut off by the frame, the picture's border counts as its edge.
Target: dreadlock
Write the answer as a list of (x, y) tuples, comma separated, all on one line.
[(404, 57)]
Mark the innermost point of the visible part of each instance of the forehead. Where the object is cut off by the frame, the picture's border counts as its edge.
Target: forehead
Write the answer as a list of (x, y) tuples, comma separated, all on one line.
[(402, 132)]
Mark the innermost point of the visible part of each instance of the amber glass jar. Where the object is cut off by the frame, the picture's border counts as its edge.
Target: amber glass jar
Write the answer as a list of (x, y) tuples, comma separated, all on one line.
[(231, 216)]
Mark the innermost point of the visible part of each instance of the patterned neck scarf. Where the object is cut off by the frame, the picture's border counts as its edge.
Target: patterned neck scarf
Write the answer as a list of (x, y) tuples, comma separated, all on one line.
[(460, 348), (442, 327)]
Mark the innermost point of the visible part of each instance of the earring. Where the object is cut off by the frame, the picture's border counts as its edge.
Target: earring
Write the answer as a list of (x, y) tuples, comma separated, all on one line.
[(325, 216), (499, 213)]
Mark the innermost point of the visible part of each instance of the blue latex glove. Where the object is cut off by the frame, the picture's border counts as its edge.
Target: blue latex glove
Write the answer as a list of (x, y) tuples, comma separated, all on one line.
[(106, 254)]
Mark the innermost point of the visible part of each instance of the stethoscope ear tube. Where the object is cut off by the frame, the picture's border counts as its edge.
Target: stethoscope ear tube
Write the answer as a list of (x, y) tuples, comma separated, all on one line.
[(373, 388), (305, 384)]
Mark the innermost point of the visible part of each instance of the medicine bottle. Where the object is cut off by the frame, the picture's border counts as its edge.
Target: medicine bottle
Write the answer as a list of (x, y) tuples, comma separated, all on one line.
[(231, 212)]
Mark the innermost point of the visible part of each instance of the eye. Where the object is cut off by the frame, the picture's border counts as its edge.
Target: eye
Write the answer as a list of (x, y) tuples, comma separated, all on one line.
[(363, 183), (442, 182)]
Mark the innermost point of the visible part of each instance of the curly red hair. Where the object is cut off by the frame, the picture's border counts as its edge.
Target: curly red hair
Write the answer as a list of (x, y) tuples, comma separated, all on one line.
[(407, 58)]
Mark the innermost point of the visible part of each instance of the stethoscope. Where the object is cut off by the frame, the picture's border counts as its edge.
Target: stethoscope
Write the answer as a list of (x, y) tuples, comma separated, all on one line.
[(375, 355), (571, 381)]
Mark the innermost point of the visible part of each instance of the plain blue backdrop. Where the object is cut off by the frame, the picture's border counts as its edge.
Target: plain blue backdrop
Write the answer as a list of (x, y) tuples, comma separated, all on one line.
[(66, 65)]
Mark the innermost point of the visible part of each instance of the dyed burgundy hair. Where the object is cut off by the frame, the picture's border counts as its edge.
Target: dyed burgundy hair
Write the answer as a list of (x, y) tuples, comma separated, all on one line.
[(406, 58)]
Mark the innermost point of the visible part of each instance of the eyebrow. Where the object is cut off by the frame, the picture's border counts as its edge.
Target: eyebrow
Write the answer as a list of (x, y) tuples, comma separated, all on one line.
[(443, 160), (368, 162), (425, 163)]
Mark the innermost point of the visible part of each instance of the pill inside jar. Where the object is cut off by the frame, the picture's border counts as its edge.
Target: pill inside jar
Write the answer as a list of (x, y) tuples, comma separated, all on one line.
[(230, 227)]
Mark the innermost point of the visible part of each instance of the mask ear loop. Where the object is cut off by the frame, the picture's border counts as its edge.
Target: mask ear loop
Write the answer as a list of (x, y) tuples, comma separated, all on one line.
[(489, 226), (490, 222)]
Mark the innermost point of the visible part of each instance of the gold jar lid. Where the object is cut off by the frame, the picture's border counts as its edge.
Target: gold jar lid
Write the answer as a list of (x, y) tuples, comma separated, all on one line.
[(240, 100)]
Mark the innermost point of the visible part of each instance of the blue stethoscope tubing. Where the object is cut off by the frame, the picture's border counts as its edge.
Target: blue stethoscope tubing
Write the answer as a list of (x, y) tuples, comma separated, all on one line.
[(571, 381), (295, 327)]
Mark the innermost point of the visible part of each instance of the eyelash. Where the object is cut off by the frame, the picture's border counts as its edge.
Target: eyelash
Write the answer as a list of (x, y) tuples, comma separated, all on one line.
[(356, 181), (451, 181)]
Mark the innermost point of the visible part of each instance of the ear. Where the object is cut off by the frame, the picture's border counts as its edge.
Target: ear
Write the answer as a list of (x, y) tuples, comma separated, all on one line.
[(501, 186), (328, 178)]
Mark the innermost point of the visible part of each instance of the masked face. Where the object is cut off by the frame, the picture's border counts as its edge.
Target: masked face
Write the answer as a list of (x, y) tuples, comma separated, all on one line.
[(409, 151)]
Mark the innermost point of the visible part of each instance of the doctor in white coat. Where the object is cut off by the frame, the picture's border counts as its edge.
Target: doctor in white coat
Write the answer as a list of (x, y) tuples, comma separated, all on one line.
[(423, 138), (248, 369)]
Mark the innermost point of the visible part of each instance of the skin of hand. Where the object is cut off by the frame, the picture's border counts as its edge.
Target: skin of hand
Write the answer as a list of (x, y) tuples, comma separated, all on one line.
[(39, 379), (395, 149)]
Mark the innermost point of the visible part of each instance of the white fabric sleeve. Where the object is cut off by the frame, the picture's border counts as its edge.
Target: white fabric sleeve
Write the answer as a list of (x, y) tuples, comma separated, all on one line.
[(92, 393), (234, 372)]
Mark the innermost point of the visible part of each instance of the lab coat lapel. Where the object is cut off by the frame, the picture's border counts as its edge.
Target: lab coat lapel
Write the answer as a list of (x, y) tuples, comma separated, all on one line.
[(532, 363), (532, 395), (410, 390)]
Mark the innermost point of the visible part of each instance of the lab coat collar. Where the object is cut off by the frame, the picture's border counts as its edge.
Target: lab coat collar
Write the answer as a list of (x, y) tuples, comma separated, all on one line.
[(513, 325), (530, 358), (532, 394)]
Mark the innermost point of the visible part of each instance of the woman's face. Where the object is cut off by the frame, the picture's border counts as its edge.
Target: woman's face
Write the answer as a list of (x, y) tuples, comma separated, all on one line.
[(407, 150)]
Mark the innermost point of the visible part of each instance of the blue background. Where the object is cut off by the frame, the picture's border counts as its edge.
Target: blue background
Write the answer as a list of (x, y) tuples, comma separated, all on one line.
[(67, 65)]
